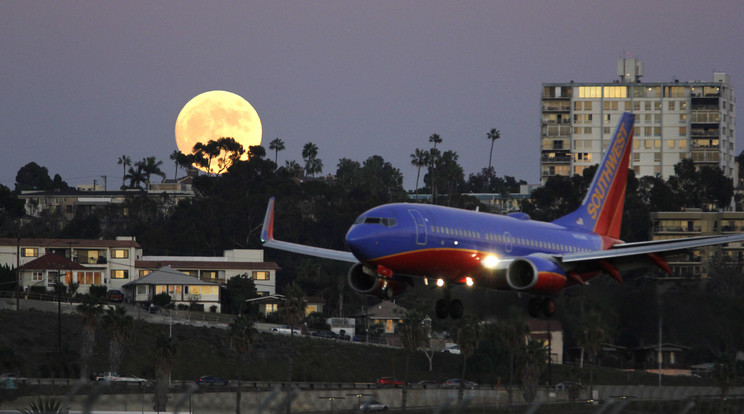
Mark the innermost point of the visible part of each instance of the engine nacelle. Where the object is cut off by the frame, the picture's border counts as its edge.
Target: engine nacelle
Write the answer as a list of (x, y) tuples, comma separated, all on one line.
[(536, 273), (365, 280)]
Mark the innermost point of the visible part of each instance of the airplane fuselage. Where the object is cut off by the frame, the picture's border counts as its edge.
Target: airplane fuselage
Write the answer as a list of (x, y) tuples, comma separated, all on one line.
[(443, 242)]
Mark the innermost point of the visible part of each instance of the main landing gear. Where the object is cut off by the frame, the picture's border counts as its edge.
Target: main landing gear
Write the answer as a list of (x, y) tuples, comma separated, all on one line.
[(541, 306)]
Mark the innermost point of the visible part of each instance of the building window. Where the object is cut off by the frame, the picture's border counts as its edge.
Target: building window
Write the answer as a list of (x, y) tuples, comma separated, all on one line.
[(271, 308), (144, 272), (683, 131), (89, 278), (120, 274), (37, 276), (141, 289), (120, 254), (29, 252), (261, 276), (209, 274)]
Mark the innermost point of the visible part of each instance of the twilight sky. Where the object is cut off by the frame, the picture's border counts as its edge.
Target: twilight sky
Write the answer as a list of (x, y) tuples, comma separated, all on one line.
[(83, 83)]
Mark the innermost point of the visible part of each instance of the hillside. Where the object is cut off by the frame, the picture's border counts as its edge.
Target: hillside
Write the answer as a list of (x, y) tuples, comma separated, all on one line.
[(29, 336)]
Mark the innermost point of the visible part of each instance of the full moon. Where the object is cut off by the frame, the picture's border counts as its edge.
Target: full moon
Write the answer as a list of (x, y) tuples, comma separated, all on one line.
[(217, 114)]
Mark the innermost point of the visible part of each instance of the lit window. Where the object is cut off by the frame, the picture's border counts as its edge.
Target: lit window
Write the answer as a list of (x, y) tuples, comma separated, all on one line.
[(120, 274), (37, 276), (261, 276), (120, 254), (29, 252)]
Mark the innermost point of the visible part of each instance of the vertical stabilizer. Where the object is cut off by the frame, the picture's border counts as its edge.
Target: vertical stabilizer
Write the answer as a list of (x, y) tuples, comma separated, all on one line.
[(601, 211)]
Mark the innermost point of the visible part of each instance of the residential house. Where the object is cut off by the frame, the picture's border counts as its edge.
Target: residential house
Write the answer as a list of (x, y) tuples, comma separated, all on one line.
[(182, 289), (550, 334)]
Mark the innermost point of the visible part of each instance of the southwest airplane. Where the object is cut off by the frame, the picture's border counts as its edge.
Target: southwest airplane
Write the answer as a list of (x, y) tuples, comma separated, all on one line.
[(398, 245)]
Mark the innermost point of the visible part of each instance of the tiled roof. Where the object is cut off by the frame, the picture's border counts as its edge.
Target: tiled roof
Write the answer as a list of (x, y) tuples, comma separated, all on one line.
[(168, 276), (187, 264), (51, 261), (386, 310), (66, 243)]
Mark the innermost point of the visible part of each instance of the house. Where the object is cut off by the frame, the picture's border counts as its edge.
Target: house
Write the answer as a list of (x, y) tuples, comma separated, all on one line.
[(550, 334), (385, 314), (110, 263), (50, 268), (182, 289)]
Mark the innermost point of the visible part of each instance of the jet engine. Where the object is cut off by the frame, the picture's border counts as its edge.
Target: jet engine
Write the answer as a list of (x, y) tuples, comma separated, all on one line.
[(536, 273), (365, 280)]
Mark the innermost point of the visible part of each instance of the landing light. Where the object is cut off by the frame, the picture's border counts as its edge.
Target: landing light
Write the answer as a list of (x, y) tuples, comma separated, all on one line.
[(440, 282), (469, 281), (490, 261)]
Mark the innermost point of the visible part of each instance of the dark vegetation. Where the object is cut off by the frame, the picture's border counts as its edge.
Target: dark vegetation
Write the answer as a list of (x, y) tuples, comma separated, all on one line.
[(228, 211)]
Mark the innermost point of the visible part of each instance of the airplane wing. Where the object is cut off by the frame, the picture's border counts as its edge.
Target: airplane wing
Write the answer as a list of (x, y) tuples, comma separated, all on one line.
[(267, 237), (662, 247)]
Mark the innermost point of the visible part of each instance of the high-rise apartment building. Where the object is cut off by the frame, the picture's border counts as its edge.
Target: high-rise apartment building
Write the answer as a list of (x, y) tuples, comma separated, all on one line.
[(674, 120)]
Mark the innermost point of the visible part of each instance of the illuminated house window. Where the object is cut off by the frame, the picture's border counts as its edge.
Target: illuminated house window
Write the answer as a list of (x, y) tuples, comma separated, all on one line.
[(261, 276), (209, 274), (120, 274), (29, 252), (144, 272), (120, 254), (36, 276)]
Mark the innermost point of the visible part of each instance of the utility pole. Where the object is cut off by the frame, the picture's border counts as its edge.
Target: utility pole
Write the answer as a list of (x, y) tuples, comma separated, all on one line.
[(18, 270), (104, 182)]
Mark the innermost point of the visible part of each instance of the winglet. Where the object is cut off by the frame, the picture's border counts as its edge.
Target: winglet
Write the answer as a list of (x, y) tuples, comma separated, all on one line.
[(267, 232)]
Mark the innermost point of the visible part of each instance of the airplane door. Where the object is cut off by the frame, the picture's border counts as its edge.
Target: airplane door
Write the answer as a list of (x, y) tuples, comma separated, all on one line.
[(420, 227)]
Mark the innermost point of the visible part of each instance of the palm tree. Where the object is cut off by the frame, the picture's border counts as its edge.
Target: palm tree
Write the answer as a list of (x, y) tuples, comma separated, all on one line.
[(293, 309), (136, 177), (242, 336), (276, 145), (467, 336), (150, 166), (493, 135), (174, 157), (165, 354), (414, 335), (593, 333), (90, 311), (532, 361), (119, 326), (513, 331), (124, 161), (419, 159), (312, 163), (435, 139)]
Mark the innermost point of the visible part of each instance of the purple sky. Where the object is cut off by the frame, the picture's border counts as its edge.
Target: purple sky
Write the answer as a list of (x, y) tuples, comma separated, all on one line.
[(82, 83)]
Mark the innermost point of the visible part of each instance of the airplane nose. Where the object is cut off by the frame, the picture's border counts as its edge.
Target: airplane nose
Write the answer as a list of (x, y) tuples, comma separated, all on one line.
[(360, 241)]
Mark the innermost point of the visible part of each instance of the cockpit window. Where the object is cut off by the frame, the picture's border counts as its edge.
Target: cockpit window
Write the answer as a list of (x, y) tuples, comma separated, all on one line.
[(385, 221)]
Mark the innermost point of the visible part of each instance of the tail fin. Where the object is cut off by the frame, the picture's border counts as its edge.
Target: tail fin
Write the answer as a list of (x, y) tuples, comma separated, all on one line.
[(601, 211)]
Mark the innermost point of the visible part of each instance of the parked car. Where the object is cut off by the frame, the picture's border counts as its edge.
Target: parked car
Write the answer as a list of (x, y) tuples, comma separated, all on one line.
[(372, 405), (455, 383), (114, 377), (325, 334), (428, 383), (211, 380), (388, 382), (453, 349), (285, 330), (115, 295)]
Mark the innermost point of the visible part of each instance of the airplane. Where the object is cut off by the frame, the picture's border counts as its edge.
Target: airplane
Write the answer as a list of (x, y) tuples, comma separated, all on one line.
[(394, 246)]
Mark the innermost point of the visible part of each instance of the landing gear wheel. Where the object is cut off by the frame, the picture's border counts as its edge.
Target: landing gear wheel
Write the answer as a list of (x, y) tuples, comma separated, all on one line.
[(534, 307), (548, 307), (456, 309), (441, 308)]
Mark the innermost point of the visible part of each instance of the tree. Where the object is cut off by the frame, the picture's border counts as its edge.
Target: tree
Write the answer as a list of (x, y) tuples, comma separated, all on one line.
[(174, 157), (242, 336), (435, 139), (593, 333), (312, 163), (136, 177), (165, 354), (492, 136), (90, 311), (467, 336), (238, 290), (119, 326), (419, 159), (532, 361), (32, 176), (276, 145), (150, 166), (125, 162), (414, 335), (513, 331), (293, 309)]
